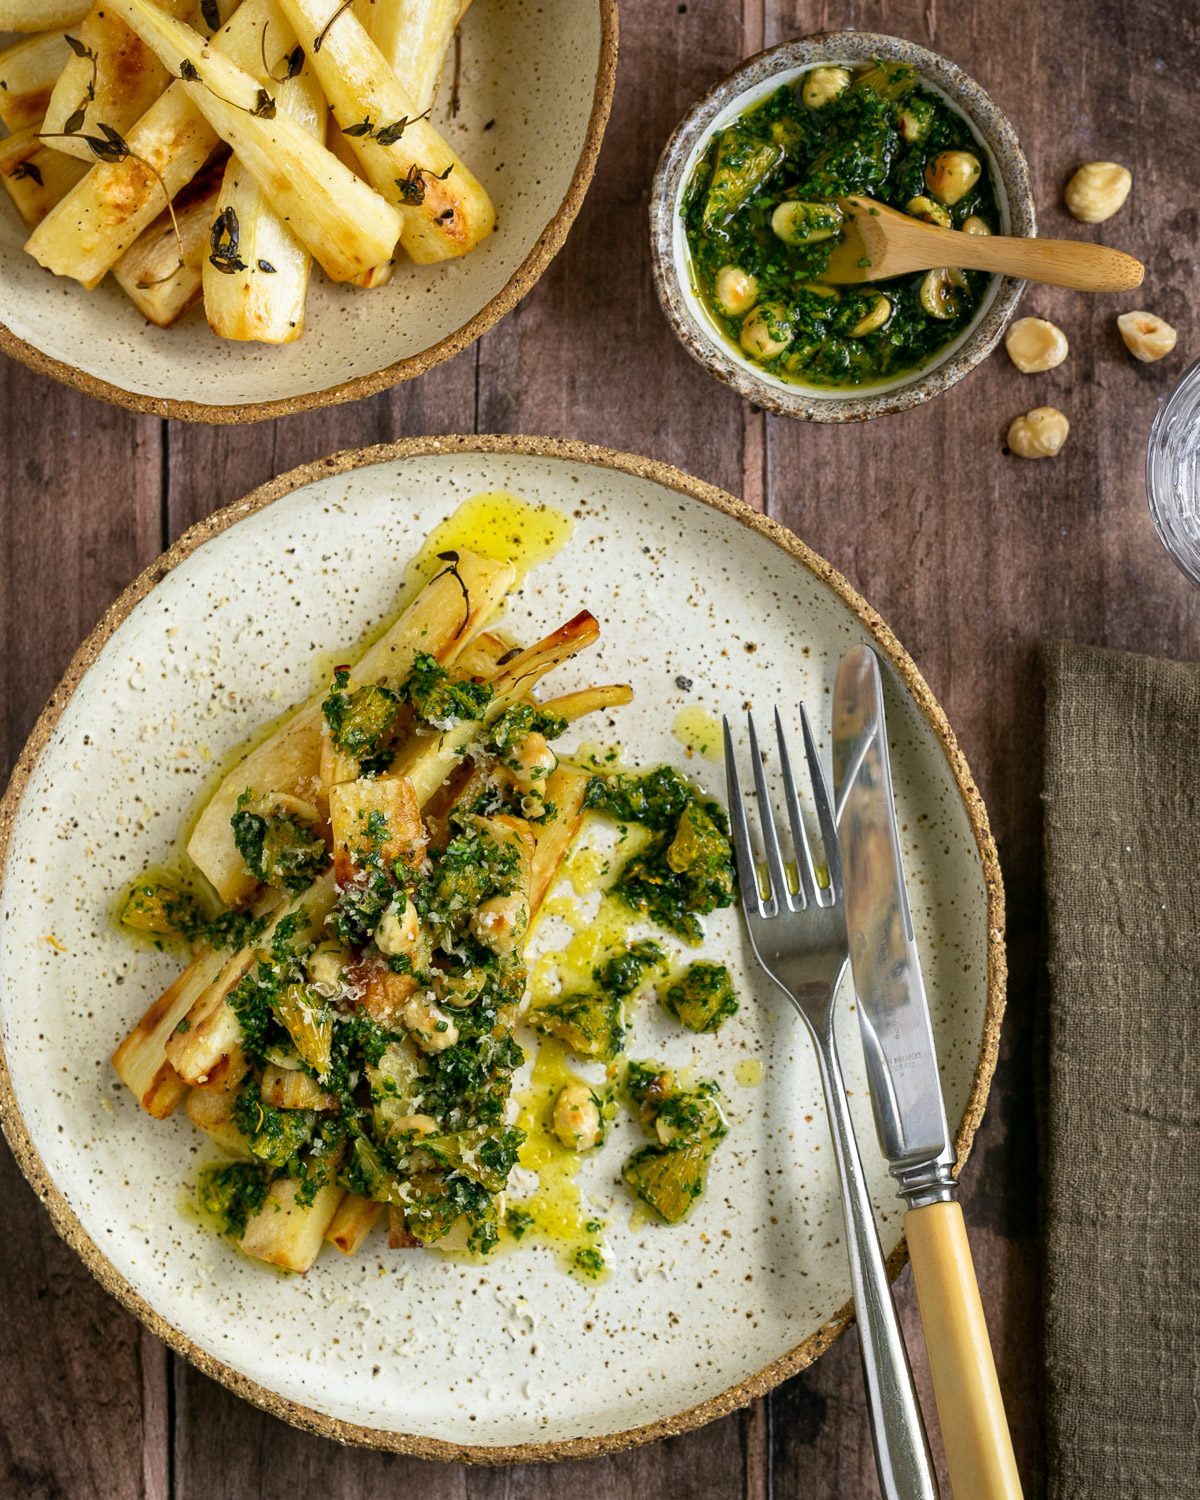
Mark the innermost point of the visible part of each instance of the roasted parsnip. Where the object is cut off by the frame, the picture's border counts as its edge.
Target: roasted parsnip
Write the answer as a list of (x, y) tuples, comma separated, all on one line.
[(40, 15), (89, 231), (36, 176), (256, 277), (160, 273), (446, 210), (414, 36), (28, 71), (289, 760), (346, 226), (111, 77)]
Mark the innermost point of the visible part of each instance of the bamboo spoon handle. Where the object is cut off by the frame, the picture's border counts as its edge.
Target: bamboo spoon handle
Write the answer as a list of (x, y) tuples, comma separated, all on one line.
[(1074, 263), (979, 1450)]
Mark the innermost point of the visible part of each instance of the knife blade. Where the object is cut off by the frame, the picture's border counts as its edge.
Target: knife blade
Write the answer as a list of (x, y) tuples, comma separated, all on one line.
[(893, 1010)]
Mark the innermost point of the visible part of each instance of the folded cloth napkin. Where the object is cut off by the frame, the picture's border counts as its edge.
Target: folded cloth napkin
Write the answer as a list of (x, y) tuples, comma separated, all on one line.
[(1121, 1104)]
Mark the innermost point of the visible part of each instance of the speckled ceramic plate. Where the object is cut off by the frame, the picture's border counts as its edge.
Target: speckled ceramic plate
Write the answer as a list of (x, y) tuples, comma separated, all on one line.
[(512, 1359), (531, 120), (750, 84)]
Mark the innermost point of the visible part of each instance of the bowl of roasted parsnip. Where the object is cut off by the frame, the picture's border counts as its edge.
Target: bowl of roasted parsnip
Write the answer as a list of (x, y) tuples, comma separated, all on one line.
[(226, 210)]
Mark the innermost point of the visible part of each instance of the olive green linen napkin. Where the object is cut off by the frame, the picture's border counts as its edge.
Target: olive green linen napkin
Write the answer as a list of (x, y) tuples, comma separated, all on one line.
[(1121, 1104)]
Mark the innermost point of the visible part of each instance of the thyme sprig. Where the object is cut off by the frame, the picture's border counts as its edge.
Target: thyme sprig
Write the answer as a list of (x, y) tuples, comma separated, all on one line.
[(412, 184), (264, 104), (28, 169), (319, 39), (386, 135), (75, 119), (210, 15), (452, 561), (455, 97), (111, 146), (293, 62), (223, 242)]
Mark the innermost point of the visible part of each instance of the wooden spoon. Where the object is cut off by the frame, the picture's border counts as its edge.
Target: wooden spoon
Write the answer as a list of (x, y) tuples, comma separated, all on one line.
[(877, 242)]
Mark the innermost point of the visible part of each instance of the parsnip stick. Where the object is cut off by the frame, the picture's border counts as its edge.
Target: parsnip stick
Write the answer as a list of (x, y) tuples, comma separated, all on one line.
[(353, 1221), (212, 1111), (480, 658), (35, 176), (438, 621), (414, 36), (346, 226), (40, 15), (286, 1231), (117, 68), (352, 804), (28, 71), (446, 210), (428, 762), (572, 706), (257, 290), (141, 1059), (565, 787), (340, 146), (209, 1050), (92, 227), (149, 272)]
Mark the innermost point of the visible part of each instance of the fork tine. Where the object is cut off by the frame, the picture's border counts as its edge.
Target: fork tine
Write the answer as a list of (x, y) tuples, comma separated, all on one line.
[(824, 809), (804, 860), (766, 818), (746, 868)]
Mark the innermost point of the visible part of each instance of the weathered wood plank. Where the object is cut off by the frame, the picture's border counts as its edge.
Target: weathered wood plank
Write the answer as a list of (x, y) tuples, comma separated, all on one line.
[(76, 1370), (274, 1462), (213, 466)]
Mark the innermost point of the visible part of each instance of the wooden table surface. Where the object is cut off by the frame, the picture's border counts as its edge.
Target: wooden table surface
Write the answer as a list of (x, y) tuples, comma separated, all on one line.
[(972, 555)]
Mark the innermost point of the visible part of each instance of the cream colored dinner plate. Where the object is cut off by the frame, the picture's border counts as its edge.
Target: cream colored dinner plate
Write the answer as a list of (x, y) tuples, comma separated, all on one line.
[(535, 84), (409, 1350)]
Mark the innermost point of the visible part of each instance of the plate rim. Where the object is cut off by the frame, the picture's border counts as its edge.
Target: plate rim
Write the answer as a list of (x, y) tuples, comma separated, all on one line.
[(522, 280), (67, 1224)]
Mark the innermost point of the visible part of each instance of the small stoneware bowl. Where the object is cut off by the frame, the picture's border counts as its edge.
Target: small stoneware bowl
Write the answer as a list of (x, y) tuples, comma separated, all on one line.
[(748, 85), (529, 122)]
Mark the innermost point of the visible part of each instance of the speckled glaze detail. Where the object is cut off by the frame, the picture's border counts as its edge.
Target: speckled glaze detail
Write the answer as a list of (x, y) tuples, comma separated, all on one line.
[(531, 121), (668, 247), (323, 545)]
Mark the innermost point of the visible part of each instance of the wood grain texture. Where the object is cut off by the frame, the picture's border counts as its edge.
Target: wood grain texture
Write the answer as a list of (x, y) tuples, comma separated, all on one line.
[(972, 555)]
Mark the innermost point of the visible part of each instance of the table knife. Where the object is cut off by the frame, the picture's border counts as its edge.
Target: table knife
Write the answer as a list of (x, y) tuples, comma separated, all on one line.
[(906, 1094)]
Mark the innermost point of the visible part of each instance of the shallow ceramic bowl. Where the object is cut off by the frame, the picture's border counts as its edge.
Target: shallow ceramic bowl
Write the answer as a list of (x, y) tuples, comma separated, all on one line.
[(702, 603), (530, 124), (747, 86)]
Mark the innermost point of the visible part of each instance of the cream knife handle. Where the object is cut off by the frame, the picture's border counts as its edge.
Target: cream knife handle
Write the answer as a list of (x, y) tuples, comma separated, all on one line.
[(979, 1452)]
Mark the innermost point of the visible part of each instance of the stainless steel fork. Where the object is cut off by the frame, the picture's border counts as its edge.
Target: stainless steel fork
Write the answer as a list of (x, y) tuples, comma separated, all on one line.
[(799, 938)]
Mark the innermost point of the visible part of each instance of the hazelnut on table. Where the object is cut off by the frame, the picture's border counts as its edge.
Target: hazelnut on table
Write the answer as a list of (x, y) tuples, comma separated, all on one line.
[(1034, 344), (1039, 433), (1097, 190), (1146, 336)]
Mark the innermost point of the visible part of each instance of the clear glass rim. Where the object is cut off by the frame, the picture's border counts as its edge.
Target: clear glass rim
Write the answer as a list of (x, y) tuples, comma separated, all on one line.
[(1164, 459)]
